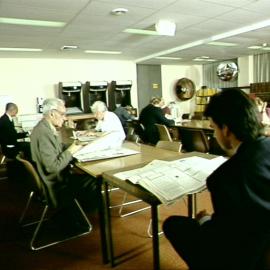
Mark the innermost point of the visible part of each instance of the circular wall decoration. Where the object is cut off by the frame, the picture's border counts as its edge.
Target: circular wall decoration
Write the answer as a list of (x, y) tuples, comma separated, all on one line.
[(184, 89), (227, 71)]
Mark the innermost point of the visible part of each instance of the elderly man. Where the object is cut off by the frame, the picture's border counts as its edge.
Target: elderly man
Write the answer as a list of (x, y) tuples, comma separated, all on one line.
[(9, 136), (108, 122), (53, 160), (237, 233)]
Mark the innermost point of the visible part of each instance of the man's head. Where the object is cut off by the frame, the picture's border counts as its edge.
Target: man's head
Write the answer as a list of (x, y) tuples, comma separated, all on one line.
[(233, 115), (11, 109), (99, 108), (54, 111)]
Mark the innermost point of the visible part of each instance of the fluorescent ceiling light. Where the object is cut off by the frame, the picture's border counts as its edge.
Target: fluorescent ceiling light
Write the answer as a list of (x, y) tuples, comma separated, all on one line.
[(165, 28), (266, 48), (21, 49), (102, 52), (31, 22), (141, 32), (255, 47), (225, 44), (167, 57), (203, 60)]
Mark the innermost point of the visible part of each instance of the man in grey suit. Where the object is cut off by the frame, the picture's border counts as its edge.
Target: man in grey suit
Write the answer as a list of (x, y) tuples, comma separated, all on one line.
[(53, 159)]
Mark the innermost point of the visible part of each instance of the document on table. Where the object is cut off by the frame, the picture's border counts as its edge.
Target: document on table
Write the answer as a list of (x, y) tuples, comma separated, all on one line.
[(107, 153), (170, 180)]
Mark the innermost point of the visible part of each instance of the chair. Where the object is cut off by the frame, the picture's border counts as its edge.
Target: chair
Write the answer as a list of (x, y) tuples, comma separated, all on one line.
[(132, 136), (170, 145), (38, 190), (194, 139), (164, 134)]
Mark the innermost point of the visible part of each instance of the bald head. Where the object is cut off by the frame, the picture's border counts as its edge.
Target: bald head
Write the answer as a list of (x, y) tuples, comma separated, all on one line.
[(11, 109)]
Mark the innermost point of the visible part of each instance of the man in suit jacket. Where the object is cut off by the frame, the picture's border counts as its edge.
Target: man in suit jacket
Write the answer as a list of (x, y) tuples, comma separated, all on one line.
[(9, 135), (236, 234), (53, 159), (150, 115)]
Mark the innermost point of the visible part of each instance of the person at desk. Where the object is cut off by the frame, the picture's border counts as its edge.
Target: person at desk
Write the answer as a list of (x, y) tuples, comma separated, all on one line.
[(236, 234), (53, 159), (124, 115), (150, 115), (108, 122), (9, 136)]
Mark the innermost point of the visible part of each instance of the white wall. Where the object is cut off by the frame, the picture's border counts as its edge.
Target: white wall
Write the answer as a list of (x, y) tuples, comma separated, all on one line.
[(26, 79), (170, 74)]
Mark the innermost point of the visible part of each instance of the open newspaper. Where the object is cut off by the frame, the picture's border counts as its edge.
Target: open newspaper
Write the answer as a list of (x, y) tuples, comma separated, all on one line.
[(107, 146), (170, 180)]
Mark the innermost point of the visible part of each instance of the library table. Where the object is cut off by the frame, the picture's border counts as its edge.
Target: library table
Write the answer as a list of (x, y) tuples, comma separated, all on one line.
[(97, 168), (109, 178)]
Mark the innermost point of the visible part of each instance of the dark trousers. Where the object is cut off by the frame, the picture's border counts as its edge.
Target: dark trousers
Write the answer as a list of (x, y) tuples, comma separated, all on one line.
[(207, 248)]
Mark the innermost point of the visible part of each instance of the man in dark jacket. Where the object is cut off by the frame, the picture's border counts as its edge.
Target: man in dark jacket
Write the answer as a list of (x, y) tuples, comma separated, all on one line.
[(236, 234), (150, 115), (9, 136)]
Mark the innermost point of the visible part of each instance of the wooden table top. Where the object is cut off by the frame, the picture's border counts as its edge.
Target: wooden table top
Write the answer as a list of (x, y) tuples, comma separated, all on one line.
[(147, 154), (202, 124)]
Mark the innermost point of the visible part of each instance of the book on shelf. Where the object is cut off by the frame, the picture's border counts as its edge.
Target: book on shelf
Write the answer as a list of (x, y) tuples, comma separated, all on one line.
[(104, 147), (170, 180)]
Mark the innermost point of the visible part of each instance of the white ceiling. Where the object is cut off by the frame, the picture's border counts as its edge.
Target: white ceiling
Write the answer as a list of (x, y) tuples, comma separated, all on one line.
[(91, 26)]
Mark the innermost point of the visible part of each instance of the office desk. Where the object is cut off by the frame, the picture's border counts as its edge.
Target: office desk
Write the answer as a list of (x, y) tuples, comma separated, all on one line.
[(97, 168), (146, 196)]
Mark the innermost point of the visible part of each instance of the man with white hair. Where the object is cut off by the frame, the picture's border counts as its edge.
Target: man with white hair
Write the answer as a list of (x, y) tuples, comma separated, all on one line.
[(108, 121), (52, 158)]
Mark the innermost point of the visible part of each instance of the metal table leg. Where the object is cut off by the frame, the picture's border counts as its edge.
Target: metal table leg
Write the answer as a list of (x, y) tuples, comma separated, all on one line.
[(155, 239)]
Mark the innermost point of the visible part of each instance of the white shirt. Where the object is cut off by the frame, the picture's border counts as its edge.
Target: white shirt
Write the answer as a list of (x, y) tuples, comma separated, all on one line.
[(111, 123)]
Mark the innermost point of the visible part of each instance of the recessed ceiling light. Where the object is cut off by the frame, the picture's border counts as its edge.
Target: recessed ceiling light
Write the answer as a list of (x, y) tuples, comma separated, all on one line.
[(119, 11), (102, 52), (141, 32), (225, 44), (31, 22), (203, 60), (255, 47), (168, 58), (21, 49)]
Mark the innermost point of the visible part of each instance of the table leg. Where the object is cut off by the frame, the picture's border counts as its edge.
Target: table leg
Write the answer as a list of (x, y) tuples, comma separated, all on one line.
[(192, 205), (155, 238), (108, 225), (105, 257)]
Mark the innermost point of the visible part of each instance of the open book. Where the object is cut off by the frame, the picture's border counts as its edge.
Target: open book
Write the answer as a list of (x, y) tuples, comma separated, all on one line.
[(107, 146), (170, 180)]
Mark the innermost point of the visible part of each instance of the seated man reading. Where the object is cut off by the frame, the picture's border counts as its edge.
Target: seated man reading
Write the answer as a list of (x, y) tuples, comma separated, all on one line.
[(53, 160), (237, 233)]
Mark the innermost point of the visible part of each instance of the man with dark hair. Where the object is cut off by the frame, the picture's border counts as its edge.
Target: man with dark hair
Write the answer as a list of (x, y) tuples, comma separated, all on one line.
[(237, 233), (9, 136)]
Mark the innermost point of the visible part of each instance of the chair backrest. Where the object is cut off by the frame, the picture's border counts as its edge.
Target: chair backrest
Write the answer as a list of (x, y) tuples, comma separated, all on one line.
[(172, 146), (193, 139), (164, 134), (33, 180)]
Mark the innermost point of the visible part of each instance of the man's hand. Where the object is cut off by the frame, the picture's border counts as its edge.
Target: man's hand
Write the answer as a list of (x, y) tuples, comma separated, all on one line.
[(74, 147)]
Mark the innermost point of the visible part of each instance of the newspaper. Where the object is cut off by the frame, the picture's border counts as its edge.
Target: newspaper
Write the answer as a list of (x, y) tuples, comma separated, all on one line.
[(170, 180)]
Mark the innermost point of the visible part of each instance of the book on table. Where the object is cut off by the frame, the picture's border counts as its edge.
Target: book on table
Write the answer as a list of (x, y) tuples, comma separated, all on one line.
[(170, 180)]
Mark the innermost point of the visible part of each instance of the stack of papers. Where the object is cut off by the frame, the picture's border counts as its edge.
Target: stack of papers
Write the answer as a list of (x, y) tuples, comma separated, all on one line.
[(104, 154), (170, 180)]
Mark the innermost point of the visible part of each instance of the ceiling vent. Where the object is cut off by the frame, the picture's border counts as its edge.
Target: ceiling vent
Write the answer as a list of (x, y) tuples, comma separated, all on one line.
[(68, 47)]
